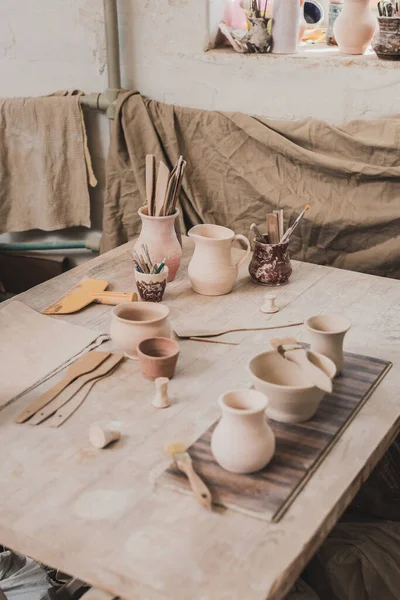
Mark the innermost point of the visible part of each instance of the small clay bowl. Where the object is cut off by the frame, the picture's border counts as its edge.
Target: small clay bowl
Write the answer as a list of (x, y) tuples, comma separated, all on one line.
[(158, 357)]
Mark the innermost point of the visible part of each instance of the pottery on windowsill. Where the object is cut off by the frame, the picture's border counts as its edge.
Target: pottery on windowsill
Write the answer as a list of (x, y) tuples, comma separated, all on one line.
[(354, 27), (386, 41), (151, 287)]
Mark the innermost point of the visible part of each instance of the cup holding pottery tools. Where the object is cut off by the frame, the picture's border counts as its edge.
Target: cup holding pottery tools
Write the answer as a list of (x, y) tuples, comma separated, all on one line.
[(326, 334), (158, 357), (134, 322), (212, 271), (270, 264), (151, 277), (292, 396)]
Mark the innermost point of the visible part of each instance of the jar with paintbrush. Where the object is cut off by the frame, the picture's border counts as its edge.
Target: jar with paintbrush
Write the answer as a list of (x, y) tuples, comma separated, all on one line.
[(151, 277), (270, 264), (159, 215)]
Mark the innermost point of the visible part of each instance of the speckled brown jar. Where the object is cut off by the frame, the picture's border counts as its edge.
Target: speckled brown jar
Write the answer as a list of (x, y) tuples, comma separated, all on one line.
[(386, 41), (270, 264)]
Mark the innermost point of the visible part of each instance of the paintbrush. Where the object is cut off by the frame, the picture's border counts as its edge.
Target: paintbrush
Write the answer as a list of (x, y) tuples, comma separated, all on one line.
[(259, 236), (289, 232), (184, 463)]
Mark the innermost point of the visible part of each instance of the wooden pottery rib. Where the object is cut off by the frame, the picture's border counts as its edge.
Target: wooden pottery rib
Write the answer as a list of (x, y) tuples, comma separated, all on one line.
[(88, 291), (150, 180), (188, 332), (161, 189), (68, 393), (83, 365)]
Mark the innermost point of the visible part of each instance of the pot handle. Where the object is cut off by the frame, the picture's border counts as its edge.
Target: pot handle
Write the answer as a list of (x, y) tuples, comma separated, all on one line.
[(244, 239)]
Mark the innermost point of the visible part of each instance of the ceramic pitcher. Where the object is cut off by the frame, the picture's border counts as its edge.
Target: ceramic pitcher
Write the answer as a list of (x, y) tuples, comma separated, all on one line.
[(243, 442), (212, 271)]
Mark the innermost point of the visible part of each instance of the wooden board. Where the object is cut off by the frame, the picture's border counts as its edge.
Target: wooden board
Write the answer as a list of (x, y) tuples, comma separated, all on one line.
[(300, 448), (96, 513)]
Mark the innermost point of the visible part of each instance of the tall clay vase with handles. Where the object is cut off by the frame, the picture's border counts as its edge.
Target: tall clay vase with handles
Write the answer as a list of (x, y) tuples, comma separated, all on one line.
[(212, 271), (355, 26)]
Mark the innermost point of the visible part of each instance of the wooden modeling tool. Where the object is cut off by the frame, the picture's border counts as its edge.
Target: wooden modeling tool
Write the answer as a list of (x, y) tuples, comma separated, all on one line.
[(83, 365), (86, 292), (259, 236), (161, 399), (200, 339), (101, 435), (53, 406), (161, 188), (189, 332), (289, 232), (290, 349), (150, 181), (184, 463), (273, 228)]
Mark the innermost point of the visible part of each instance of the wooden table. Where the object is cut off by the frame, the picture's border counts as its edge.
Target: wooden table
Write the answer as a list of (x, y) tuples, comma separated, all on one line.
[(96, 514)]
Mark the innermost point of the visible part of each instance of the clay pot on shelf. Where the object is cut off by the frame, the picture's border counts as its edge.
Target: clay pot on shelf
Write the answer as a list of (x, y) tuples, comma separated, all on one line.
[(326, 333), (243, 442), (133, 322), (291, 396), (386, 41), (285, 26), (270, 264), (160, 236), (211, 270), (354, 27), (151, 287)]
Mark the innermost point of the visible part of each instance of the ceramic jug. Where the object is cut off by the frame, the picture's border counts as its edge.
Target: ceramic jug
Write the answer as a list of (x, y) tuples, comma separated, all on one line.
[(243, 442), (212, 271), (354, 27), (327, 333), (160, 236)]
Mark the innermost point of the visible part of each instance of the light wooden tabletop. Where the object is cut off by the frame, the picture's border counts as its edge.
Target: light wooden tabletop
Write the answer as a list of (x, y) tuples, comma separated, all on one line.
[(96, 513)]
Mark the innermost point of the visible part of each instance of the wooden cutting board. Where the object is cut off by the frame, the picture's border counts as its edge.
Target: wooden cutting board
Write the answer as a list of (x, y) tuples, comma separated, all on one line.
[(300, 449)]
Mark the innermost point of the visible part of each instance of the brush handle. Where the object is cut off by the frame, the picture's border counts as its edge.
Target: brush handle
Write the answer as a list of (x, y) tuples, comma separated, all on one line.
[(317, 376), (113, 298), (198, 486)]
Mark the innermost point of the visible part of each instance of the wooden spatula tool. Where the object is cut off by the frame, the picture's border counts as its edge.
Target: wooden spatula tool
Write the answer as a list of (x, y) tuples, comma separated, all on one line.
[(161, 188), (85, 364), (86, 292), (183, 331), (150, 182), (290, 349)]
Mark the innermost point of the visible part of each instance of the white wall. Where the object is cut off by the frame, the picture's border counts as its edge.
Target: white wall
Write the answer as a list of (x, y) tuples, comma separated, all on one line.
[(46, 45)]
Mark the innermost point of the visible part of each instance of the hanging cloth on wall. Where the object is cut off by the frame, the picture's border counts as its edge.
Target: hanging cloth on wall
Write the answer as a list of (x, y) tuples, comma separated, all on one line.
[(240, 167)]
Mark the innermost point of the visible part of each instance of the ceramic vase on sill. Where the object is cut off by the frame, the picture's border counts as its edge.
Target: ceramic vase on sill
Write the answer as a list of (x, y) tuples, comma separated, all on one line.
[(160, 236), (285, 26), (355, 26), (386, 42)]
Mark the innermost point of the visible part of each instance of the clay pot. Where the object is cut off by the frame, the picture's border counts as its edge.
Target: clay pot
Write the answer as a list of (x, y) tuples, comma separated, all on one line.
[(270, 264), (285, 26), (243, 442), (211, 270), (158, 357), (354, 27), (291, 396), (136, 321), (326, 334), (160, 236), (151, 287), (386, 41)]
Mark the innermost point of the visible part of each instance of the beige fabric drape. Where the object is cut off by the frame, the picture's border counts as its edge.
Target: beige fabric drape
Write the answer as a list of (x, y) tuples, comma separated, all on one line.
[(44, 164), (240, 167)]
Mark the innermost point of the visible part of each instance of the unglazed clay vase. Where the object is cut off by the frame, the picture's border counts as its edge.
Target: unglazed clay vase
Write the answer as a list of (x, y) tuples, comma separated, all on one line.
[(326, 333), (386, 41), (243, 442), (136, 321), (355, 26), (212, 271), (292, 398), (151, 287), (285, 26), (160, 236), (270, 264), (158, 357)]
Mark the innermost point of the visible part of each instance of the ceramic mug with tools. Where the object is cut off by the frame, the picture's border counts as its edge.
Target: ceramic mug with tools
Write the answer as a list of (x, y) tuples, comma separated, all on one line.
[(212, 272)]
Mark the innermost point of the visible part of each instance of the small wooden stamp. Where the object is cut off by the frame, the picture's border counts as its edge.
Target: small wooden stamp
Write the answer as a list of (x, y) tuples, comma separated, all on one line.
[(101, 435), (161, 398), (269, 305)]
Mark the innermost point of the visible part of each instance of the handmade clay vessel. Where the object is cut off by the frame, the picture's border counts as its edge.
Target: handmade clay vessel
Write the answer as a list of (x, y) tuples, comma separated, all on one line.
[(354, 27), (161, 399), (243, 442), (160, 236), (285, 26), (291, 396), (158, 357), (270, 264), (386, 41), (212, 271), (151, 288), (136, 321), (326, 334)]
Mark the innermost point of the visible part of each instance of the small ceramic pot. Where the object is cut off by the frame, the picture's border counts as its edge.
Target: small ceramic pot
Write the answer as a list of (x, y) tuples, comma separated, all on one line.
[(151, 288), (160, 236), (291, 397), (243, 442), (158, 357), (386, 41), (270, 264), (133, 322), (326, 334)]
